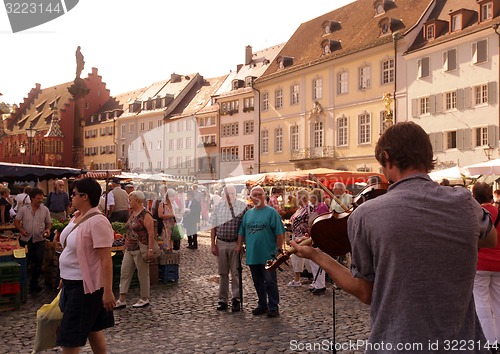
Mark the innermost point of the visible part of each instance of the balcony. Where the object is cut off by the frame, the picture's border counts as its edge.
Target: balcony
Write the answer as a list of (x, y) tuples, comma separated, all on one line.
[(207, 144), (324, 152)]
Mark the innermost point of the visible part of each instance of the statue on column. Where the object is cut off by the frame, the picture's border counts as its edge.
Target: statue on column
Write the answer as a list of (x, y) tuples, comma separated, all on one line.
[(79, 62)]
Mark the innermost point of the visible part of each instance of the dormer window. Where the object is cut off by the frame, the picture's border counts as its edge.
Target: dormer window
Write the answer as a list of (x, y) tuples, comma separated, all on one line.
[(430, 32), (249, 80), (456, 22), (237, 84), (330, 26), (389, 25), (379, 8), (486, 11), (284, 62), (329, 45)]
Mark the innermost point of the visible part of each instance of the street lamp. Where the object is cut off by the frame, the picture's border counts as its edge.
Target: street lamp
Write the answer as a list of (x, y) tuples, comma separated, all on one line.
[(250, 170), (22, 150), (31, 134)]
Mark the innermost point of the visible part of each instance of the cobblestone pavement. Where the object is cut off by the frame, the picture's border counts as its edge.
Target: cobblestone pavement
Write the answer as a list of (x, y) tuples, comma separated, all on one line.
[(182, 317)]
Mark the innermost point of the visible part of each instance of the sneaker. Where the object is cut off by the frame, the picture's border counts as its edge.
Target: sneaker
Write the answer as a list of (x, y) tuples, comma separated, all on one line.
[(295, 283), (273, 313), (120, 304), (141, 303), (235, 305), (222, 306), (311, 287), (318, 291), (259, 311)]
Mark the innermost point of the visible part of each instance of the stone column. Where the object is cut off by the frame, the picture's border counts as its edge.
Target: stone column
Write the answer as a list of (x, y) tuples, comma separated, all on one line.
[(78, 90)]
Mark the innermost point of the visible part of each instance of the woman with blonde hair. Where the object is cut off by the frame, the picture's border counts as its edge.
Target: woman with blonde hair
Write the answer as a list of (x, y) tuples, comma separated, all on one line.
[(140, 228)]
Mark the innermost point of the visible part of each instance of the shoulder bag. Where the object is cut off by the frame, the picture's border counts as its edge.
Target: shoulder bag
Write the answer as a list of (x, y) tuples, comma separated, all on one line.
[(145, 248)]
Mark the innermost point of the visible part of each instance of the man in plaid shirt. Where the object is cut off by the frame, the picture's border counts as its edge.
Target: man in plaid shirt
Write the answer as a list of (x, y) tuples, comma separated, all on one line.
[(225, 220)]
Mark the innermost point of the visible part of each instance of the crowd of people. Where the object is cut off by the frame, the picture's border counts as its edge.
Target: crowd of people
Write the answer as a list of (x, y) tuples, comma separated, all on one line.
[(424, 254)]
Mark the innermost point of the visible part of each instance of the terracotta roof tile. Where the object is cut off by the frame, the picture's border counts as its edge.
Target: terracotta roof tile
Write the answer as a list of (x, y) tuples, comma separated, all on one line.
[(359, 29)]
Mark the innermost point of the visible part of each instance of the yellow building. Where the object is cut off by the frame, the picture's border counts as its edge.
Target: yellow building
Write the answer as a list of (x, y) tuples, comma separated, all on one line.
[(321, 100)]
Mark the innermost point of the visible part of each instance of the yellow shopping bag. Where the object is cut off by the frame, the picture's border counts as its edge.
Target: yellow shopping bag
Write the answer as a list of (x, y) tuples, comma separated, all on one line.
[(48, 320)]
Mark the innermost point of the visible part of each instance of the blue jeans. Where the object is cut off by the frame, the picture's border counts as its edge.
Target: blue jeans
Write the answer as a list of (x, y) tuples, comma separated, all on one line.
[(266, 286)]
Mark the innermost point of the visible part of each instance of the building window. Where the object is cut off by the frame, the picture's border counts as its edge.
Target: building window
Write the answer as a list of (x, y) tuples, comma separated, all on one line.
[(248, 127), (265, 101), (430, 32), (294, 137), (364, 122), (171, 146), (189, 144), (318, 134), (294, 90), (480, 51), (230, 154), (231, 129), (248, 152), (131, 146), (451, 100), (480, 94), (150, 125), (342, 131), (131, 128), (278, 102), (486, 11), (342, 82), (206, 121), (264, 142), (456, 22), (207, 139), (450, 60), (424, 105), (388, 71), (423, 67), (189, 125), (364, 77), (180, 126), (159, 123), (159, 144), (248, 104), (278, 140), (451, 140), (179, 162), (142, 127), (317, 89), (481, 136), (231, 107), (180, 144)]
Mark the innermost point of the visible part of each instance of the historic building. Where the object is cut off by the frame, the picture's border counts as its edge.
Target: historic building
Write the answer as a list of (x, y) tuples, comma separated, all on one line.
[(321, 100), (48, 114), (453, 74)]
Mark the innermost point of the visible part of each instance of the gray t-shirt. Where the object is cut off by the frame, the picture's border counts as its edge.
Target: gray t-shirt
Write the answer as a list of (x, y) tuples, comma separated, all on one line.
[(418, 245)]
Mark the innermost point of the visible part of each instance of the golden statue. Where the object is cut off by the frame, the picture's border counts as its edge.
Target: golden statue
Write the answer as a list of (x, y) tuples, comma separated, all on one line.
[(79, 62), (387, 97)]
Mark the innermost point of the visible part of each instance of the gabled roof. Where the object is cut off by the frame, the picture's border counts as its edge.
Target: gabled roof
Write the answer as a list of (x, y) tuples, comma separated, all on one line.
[(442, 12), (198, 97), (39, 111), (357, 27), (121, 101)]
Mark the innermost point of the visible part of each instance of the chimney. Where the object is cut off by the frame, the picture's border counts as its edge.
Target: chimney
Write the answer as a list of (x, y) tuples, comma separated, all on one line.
[(175, 77), (248, 54)]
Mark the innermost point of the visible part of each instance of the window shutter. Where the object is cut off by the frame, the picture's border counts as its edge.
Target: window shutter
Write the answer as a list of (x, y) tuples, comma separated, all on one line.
[(482, 51), (467, 97), (439, 103), (460, 99), (425, 67), (432, 104), (439, 142), (492, 135), (492, 92), (452, 59), (467, 139), (414, 107), (445, 61), (460, 139)]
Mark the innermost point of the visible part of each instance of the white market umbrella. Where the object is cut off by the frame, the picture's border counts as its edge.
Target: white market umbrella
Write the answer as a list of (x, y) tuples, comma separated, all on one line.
[(491, 167), (453, 174)]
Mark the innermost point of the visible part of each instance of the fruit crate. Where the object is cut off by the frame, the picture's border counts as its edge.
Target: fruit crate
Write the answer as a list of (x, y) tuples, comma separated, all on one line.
[(117, 266), (169, 273), (10, 302), (10, 272), (10, 288), (169, 258), (23, 262)]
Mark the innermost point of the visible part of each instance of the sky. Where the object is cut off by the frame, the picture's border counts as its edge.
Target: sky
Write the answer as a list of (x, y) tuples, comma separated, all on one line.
[(136, 43)]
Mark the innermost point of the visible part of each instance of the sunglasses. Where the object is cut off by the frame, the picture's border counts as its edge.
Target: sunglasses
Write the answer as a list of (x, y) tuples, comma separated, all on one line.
[(78, 194)]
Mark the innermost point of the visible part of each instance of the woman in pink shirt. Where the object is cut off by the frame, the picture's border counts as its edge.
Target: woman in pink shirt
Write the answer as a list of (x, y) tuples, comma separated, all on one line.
[(86, 269)]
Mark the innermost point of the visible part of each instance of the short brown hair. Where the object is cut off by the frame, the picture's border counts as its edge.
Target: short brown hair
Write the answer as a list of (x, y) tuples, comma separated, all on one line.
[(482, 192), (407, 146)]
